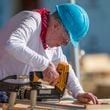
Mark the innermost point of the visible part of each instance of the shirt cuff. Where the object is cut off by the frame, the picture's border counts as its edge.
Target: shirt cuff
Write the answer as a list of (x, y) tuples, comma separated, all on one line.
[(76, 94)]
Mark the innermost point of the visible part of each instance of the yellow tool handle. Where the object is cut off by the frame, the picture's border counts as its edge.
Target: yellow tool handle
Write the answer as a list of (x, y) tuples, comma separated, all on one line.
[(63, 70)]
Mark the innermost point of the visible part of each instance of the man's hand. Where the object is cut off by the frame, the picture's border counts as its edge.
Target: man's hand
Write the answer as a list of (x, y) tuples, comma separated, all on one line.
[(50, 74), (87, 97)]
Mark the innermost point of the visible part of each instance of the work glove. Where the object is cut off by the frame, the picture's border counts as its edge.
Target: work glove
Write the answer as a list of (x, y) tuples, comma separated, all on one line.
[(50, 74)]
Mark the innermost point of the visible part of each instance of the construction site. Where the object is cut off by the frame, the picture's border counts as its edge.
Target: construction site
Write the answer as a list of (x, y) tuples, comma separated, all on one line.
[(28, 80)]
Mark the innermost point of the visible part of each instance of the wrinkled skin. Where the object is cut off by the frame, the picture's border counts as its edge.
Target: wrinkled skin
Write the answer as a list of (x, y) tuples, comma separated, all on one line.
[(87, 97), (50, 74)]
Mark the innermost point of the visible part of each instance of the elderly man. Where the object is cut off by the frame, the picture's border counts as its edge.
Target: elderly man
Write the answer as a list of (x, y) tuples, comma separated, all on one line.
[(31, 41)]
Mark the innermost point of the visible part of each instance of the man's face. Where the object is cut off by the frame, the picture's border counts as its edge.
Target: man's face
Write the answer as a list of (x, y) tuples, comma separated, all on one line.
[(57, 36)]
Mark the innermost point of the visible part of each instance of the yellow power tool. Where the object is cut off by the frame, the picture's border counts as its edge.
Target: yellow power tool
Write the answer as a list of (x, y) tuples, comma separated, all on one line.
[(58, 91)]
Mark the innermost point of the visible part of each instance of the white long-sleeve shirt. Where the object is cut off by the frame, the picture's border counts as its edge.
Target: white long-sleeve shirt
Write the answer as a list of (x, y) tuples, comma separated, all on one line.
[(21, 50)]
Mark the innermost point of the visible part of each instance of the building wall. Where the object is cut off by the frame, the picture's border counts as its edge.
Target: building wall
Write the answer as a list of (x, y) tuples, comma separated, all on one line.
[(4, 11), (98, 39), (7, 9), (50, 4)]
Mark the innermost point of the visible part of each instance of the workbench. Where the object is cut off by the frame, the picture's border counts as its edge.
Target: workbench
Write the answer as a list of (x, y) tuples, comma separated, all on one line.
[(60, 105)]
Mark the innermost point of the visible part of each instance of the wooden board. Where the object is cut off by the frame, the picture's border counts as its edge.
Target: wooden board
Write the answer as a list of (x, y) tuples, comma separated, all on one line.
[(62, 105), (76, 105), (104, 104), (3, 106), (23, 107)]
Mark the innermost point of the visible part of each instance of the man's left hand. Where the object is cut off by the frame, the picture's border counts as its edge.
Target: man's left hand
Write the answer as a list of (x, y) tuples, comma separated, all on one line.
[(87, 97)]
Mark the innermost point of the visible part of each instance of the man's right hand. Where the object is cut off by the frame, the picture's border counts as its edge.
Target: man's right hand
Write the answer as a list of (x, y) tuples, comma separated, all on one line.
[(50, 74)]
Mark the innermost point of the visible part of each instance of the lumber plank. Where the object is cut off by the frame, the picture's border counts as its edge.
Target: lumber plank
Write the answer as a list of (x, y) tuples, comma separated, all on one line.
[(21, 107), (62, 105), (3, 106)]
